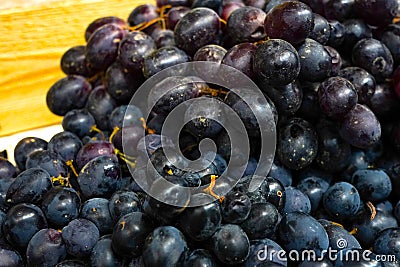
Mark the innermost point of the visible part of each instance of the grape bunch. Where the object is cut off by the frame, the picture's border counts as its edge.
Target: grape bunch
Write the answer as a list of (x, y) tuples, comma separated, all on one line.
[(217, 133)]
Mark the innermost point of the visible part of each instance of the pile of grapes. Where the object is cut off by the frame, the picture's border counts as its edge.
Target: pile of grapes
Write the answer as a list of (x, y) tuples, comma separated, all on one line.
[(109, 191)]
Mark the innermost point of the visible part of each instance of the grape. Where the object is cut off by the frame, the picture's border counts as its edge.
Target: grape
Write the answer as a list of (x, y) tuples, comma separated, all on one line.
[(339, 9), (391, 38), (376, 13), (66, 144), (341, 199), (246, 24), (79, 122), (199, 27), (276, 62), (96, 210), (22, 222), (360, 127), (336, 97), (200, 257), (73, 62), (100, 104), (161, 3), (321, 31), (373, 56), (100, 177), (103, 255), (314, 188), (337, 33), (80, 237), (363, 82), (235, 207), (291, 21), (123, 202), (163, 58), (164, 38), (373, 185), (130, 233), (9, 257), (215, 5), (241, 57), (102, 46), (315, 61), (61, 205), (228, 8), (355, 30), (231, 244), (142, 14), (133, 48), (299, 231), (51, 162), (46, 248), (122, 84), (165, 246), (98, 23), (75, 87), (29, 186)]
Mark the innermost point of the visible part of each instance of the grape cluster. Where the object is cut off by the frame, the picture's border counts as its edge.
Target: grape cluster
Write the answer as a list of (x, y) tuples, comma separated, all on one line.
[(329, 71)]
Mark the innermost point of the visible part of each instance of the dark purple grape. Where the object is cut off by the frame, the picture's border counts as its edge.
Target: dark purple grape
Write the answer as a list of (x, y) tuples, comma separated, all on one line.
[(338, 9), (66, 144), (315, 61), (335, 233), (228, 8), (200, 223), (61, 205), (230, 244), (174, 3), (368, 230), (122, 203), (265, 252), (97, 23), (373, 56), (9, 257), (363, 82), (46, 248), (321, 31), (172, 91), (272, 3), (73, 62), (79, 122), (51, 162), (100, 177), (215, 5), (102, 46), (122, 84), (199, 27), (22, 222), (213, 53), (384, 102), (276, 62), (360, 127), (296, 200), (241, 57), (262, 221), (281, 173), (373, 185), (71, 263), (336, 97), (314, 188), (165, 246), (391, 38), (341, 200), (103, 255), (163, 58), (7, 169), (291, 21), (96, 210), (337, 33), (297, 144), (67, 94), (376, 13), (29, 186), (100, 104), (200, 257), (235, 207), (80, 237), (142, 13), (174, 15), (287, 98), (130, 232), (133, 48), (246, 24), (333, 152), (300, 231), (355, 30), (163, 38), (388, 242)]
